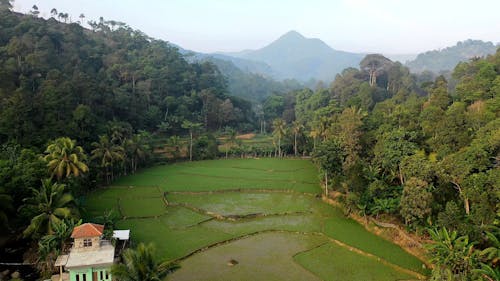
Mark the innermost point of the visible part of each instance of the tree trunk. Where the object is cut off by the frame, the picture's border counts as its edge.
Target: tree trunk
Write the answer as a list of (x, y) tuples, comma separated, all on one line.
[(279, 146), (401, 178), (191, 146), (326, 183), (295, 144), (466, 199)]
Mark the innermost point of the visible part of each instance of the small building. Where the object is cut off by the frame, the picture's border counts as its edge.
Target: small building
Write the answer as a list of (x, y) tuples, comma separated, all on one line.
[(91, 257)]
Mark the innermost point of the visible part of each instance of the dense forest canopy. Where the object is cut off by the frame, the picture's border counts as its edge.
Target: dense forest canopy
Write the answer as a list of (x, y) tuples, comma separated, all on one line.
[(80, 107), (446, 59), (76, 80)]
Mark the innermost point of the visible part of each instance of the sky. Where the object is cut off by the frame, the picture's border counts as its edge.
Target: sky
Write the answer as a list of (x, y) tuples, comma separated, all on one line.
[(382, 26)]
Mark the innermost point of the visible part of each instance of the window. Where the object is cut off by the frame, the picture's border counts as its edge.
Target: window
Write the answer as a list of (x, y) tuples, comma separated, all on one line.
[(107, 276), (100, 273), (87, 243), (78, 277), (84, 277)]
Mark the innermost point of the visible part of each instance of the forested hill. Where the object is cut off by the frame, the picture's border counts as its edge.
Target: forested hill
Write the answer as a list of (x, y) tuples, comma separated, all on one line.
[(61, 79), (447, 58)]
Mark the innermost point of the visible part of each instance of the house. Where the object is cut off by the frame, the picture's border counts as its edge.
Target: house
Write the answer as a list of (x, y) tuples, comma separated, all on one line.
[(90, 258)]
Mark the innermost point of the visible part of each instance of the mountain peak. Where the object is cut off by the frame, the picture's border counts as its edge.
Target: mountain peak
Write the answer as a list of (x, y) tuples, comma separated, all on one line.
[(292, 34)]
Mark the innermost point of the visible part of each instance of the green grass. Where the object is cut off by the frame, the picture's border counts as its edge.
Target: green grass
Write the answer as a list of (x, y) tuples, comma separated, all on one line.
[(353, 234), (263, 257), (286, 223), (179, 217), (290, 174), (190, 222), (171, 243), (334, 263), (236, 203), (144, 207)]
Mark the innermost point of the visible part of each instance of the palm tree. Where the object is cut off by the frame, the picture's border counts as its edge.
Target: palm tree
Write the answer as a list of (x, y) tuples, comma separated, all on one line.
[(50, 204), (107, 154), (53, 12), (279, 132), (232, 139), (191, 127), (137, 150), (82, 16), (175, 143), (296, 129), (64, 158), (140, 265)]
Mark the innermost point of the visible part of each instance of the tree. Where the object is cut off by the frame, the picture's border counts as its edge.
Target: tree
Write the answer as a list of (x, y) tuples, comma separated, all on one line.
[(5, 208), (279, 132), (297, 128), (231, 140), (391, 148), (175, 143), (454, 255), (416, 201), (49, 205), (53, 12), (82, 17), (140, 264), (107, 154), (191, 127), (34, 11), (137, 149), (330, 156), (5, 5), (64, 158), (350, 122), (375, 65)]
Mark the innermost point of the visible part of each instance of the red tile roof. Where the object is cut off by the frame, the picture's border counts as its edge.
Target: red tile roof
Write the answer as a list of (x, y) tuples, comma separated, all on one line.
[(87, 230)]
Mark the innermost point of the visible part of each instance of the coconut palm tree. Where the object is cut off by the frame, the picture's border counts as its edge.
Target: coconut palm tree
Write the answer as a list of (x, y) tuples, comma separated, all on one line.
[(279, 132), (108, 155), (191, 127), (64, 158), (53, 12), (82, 17), (175, 143), (296, 129), (137, 149), (231, 140), (50, 205), (140, 265)]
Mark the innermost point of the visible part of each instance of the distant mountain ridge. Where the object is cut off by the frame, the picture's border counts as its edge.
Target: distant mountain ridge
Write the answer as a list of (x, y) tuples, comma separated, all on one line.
[(293, 56), (446, 59)]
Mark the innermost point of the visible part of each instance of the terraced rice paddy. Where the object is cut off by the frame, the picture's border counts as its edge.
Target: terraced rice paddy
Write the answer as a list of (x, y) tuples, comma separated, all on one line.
[(262, 213)]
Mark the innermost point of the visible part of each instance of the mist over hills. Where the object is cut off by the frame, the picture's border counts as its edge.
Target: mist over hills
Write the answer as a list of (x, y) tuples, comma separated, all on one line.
[(294, 56), (446, 59)]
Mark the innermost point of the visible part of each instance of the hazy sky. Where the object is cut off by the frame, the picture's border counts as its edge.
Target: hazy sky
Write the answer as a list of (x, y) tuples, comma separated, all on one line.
[(386, 26)]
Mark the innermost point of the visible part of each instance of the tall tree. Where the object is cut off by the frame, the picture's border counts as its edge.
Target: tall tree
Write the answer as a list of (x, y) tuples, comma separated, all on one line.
[(297, 128), (329, 155), (64, 158), (279, 131), (53, 12), (49, 206), (107, 154), (191, 127)]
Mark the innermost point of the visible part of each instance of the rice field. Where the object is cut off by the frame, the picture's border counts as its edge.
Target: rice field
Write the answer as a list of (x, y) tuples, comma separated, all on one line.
[(263, 213)]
